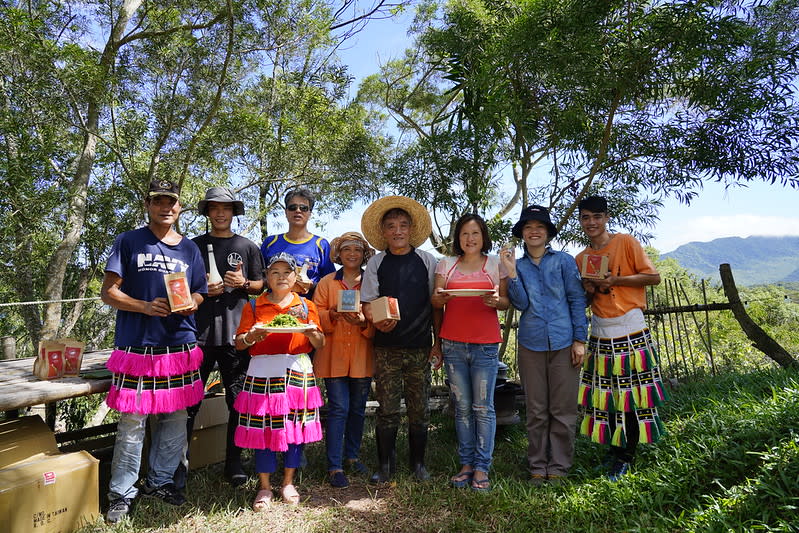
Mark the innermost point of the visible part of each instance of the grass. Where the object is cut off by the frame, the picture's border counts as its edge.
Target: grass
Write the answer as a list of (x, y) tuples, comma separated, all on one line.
[(730, 462)]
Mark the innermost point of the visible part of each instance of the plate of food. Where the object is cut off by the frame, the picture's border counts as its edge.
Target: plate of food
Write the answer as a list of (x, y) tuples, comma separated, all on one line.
[(467, 292), (284, 323)]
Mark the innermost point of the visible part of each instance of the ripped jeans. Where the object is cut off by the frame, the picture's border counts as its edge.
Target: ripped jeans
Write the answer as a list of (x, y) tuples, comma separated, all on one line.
[(472, 373)]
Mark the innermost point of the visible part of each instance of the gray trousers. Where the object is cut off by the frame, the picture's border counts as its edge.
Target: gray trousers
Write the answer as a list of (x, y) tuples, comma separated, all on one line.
[(550, 387)]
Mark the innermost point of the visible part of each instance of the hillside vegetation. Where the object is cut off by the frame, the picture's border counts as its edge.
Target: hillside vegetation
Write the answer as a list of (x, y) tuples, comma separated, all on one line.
[(754, 260), (730, 462)]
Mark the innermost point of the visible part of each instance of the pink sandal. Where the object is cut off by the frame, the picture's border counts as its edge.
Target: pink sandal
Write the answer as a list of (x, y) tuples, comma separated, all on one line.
[(290, 495), (262, 500)]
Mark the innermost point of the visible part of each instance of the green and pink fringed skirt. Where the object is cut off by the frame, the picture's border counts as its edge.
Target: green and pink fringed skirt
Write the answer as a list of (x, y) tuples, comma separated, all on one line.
[(151, 380), (621, 375)]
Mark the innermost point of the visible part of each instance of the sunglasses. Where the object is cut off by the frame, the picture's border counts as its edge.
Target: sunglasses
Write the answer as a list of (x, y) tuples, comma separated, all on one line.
[(295, 207)]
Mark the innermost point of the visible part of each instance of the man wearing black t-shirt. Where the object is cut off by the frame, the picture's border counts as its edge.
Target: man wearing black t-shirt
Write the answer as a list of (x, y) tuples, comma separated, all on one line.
[(403, 348), (240, 264)]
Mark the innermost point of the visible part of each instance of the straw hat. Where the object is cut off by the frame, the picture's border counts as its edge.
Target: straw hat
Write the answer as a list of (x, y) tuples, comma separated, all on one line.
[(338, 242), (421, 226)]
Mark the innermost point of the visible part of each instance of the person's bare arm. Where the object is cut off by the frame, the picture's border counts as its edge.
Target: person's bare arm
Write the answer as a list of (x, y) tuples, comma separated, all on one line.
[(633, 280), (112, 295)]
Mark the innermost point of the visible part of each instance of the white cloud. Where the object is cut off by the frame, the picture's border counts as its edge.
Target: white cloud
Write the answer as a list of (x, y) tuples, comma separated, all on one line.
[(669, 236)]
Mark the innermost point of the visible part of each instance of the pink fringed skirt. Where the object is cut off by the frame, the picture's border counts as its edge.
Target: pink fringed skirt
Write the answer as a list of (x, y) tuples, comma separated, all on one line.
[(279, 403), (152, 380)]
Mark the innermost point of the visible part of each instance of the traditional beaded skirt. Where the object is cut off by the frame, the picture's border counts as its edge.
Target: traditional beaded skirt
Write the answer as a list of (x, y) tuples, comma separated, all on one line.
[(151, 380), (621, 375), (279, 403)]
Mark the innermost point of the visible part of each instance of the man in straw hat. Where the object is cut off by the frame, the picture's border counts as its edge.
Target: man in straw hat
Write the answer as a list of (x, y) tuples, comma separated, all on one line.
[(397, 225), (240, 264)]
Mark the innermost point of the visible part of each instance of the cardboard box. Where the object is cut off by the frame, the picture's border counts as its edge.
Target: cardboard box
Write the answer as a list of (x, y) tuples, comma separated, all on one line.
[(21, 438), (42, 490), (209, 438), (207, 446), (349, 301), (384, 308)]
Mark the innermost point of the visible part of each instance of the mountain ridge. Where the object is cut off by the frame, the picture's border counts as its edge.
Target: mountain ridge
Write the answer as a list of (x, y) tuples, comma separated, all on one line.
[(755, 260)]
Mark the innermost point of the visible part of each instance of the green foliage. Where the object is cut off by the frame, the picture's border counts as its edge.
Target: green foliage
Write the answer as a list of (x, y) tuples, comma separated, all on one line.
[(246, 94), (683, 337), (730, 462), (634, 99)]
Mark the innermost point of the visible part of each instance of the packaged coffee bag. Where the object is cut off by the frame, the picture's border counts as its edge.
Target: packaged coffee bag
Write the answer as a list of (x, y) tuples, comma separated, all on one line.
[(49, 363)]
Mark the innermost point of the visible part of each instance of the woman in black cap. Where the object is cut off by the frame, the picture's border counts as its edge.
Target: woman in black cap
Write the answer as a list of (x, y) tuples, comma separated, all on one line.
[(545, 286)]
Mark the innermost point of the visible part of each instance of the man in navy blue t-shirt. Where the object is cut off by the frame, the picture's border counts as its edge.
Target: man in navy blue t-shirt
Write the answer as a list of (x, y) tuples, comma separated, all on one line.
[(156, 360)]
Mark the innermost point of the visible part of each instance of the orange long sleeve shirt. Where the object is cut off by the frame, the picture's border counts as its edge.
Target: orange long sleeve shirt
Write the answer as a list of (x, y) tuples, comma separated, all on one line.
[(348, 350)]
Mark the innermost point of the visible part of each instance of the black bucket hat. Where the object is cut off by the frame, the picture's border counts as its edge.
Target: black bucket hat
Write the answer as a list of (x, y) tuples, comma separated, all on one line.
[(535, 212), (223, 195)]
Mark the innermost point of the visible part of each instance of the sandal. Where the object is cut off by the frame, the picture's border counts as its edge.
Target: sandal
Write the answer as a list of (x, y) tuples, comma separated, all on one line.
[(481, 485), (462, 479), (262, 500), (290, 495)]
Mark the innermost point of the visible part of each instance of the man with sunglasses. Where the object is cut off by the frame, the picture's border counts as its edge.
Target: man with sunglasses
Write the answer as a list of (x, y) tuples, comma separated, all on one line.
[(306, 248)]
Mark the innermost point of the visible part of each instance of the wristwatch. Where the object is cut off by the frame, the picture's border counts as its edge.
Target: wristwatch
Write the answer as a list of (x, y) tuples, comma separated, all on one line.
[(246, 285)]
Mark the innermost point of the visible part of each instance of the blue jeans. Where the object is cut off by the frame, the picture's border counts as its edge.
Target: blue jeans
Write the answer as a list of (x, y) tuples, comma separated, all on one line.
[(167, 439), (346, 407), (472, 373), (266, 459)]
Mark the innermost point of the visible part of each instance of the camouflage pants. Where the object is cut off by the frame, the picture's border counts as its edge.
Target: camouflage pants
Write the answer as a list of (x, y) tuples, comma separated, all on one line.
[(398, 372)]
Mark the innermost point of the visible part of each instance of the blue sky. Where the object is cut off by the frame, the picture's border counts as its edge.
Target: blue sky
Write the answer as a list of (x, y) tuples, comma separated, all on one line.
[(760, 209)]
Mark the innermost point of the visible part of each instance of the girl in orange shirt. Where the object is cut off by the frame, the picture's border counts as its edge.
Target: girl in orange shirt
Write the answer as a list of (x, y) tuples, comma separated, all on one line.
[(279, 404)]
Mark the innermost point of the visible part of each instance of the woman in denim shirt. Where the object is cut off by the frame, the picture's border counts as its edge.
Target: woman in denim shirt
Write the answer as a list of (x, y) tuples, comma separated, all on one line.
[(545, 286)]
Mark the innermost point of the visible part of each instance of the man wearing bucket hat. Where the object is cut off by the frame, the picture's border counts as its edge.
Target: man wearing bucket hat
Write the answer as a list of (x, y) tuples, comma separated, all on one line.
[(240, 264), (545, 286), (397, 225), (155, 363)]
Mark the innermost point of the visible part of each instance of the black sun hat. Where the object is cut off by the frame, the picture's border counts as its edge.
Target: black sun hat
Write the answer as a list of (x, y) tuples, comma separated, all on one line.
[(535, 212), (223, 195)]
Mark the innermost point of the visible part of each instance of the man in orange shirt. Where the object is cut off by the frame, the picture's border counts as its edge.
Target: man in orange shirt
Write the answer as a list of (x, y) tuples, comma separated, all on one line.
[(621, 386)]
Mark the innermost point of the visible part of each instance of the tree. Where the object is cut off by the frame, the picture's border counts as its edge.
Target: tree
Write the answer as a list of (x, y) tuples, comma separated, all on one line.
[(635, 99), (96, 98)]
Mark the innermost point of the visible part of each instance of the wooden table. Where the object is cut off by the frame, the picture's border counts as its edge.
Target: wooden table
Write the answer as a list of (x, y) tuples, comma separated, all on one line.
[(20, 388)]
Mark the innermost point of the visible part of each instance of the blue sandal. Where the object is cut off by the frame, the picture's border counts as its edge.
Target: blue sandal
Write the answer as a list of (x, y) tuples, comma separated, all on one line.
[(481, 485), (461, 480)]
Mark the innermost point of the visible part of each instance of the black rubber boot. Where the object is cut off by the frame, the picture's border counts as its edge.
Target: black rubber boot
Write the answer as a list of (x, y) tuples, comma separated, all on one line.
[(234, 472), (417, 442), (386, 454)]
